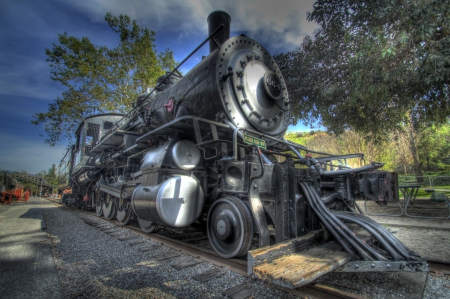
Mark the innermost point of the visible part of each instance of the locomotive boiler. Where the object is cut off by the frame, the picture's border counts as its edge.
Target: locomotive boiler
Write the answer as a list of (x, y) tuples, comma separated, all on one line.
[(208, 148)]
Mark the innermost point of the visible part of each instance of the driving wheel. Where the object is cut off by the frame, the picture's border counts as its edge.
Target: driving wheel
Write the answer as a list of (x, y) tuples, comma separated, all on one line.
[(99, 203), (124, 213), (146, 226), (109, 207), (230, 227)]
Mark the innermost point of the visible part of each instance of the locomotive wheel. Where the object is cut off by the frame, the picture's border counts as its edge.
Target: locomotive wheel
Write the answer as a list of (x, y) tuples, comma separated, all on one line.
[(79, 203), (146, 226), (230, 227), (98, 207), (64, 199), (124, 213), (6, 199), (98, 202), (109, 207)]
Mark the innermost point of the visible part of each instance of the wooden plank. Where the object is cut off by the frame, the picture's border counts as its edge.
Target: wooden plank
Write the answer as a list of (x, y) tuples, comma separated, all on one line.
[(166, 256), (101, 224), (135, 243), (148, 248), (127, 238), (268, 253), (208, 275), (185, 264), (298, 269), (241, 291), (91, 222), (112, 232), (107, 228)]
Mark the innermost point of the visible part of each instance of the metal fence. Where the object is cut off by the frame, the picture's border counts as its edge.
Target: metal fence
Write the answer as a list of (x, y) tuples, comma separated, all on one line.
[(425, 181)]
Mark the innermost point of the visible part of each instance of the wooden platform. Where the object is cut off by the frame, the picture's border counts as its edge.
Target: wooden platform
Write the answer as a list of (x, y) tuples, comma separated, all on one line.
[(297, 262)]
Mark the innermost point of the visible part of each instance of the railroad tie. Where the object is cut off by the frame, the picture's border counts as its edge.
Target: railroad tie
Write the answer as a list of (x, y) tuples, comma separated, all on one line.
[(208, 275), (147, 248), (166, 256), (180, 266), (107, 228), (112, 231), (127, 238), (135, 243), (240, 291), (91, 223)]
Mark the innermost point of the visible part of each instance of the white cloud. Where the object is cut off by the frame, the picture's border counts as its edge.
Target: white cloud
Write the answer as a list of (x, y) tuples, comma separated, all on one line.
[(279, 25), (285, 19)]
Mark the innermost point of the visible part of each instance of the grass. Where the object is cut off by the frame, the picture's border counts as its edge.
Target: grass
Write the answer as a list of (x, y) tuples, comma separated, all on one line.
[(423, 194), (443, 187)]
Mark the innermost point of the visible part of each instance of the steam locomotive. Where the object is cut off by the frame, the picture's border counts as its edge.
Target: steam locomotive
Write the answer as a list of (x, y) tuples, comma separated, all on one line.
[(208, 148)]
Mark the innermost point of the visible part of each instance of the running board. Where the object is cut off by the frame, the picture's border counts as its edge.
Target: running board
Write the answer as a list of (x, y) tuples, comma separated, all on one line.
[(296, 262)]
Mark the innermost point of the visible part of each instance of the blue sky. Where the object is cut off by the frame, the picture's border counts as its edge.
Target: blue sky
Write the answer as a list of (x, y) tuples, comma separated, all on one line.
[(28, 27)]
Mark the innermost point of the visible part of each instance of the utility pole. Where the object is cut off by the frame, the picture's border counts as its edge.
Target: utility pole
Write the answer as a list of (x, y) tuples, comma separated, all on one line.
[(42, 178)]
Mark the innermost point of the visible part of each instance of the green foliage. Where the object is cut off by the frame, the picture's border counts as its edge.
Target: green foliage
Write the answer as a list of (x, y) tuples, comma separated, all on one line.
[(27, 185), (433, 146), (51, 176), (100, 79), (298, 137), (371, 65)]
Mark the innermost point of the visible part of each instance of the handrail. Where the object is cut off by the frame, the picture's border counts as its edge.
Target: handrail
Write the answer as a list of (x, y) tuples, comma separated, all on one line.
[(284, 142)]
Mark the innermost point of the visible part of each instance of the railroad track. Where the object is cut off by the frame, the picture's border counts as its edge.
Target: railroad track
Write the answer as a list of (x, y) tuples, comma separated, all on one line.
[(168, 238)]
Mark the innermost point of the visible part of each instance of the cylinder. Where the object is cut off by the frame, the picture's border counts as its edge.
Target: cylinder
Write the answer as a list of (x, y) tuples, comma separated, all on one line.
[(87, 176), (214, 20), (177, 202)]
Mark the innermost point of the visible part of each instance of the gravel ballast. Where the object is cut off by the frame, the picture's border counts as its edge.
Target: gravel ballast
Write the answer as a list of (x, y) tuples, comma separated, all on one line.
[(94, 263)]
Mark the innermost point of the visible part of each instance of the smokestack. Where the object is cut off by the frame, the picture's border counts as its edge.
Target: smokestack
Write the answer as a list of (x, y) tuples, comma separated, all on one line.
[(214, 20)]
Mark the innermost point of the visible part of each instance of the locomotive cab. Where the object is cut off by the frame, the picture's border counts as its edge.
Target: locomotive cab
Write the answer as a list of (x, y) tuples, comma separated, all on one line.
[(88, 134), (82, 161)]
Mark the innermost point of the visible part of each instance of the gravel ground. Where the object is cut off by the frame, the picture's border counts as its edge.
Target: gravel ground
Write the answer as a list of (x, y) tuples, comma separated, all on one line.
[(94, 264)]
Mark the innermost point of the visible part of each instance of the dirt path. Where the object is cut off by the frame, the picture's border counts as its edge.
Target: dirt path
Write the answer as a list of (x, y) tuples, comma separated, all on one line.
[(430, 243)]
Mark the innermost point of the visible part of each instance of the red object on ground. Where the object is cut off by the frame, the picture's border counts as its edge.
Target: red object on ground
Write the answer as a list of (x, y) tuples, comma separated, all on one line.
[(8, 195), (27, 195)]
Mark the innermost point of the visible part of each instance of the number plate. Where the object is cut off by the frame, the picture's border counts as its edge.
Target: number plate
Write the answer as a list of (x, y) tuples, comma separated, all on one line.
[(256, 141)]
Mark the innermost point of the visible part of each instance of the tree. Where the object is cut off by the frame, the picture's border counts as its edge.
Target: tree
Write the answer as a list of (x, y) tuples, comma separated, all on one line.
[(51, 176), (372, 65), (99, 79), (400, 151), (434, 146), (349, 142)]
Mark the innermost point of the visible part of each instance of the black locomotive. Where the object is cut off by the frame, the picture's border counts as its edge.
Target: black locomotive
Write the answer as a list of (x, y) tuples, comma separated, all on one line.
[(208, 148)]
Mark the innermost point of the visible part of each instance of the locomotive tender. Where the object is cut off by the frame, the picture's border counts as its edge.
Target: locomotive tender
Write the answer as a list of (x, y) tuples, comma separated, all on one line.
[(208, 148)]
